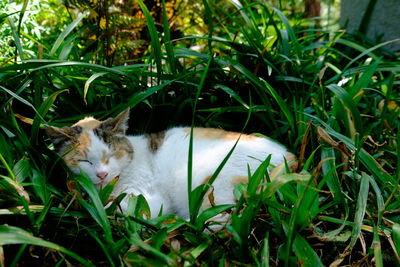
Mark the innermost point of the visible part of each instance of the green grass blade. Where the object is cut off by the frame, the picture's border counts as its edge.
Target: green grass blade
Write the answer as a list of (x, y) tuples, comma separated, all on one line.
[(40, 186), (36, 65), (199, 193), (241, 223), (364, 51), (360, 209), (349, 104), (195, 253), (379, 200), (290, 31), (233, 94), (14, 95), (44, 108), (13, 235), (89, 81), (153, 251), (167, 41), (329, 171), (95, 208), (377, 247), (396, 236), (8, 168), (281, 180), (102, 245), (368, 161), (300, 213), (211, 212), (21, 14), (193, 212), (265, 252), (155, 42), (42, 216), (365, 79), (263, 86), (158, 239), (65, 33), (16, 39), (139, 97), (209, 20), (305, 253), (138, 207), (257, 177)]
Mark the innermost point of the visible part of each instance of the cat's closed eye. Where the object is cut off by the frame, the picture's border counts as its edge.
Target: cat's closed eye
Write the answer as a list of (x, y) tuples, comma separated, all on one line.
[(85, 160)]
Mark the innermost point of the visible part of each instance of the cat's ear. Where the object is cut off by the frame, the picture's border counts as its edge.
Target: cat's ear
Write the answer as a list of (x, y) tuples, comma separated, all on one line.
[(117, 125), (60, 136)]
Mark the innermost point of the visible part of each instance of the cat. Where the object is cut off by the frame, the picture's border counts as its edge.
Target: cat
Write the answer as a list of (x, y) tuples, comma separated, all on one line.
[(155, 165)]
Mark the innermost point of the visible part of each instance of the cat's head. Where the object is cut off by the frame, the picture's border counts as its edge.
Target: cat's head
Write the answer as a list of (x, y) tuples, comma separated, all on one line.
[(99, 148)]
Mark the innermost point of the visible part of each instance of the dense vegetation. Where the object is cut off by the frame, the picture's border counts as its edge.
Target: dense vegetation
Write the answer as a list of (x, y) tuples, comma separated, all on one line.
[(330, 98)]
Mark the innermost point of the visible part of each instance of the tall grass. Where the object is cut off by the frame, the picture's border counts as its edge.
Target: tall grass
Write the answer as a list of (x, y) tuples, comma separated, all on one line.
[(329, 99)]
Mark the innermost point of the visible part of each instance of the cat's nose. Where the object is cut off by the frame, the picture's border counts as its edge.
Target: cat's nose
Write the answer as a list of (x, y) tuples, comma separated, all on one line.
[(102, 174)]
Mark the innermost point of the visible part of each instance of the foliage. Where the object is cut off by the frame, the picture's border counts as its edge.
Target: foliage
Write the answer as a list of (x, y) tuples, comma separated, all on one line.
[(328, 98), (34, 22)]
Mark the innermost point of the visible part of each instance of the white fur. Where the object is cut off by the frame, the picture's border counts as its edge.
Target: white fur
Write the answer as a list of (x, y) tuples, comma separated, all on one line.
[(161, 176)]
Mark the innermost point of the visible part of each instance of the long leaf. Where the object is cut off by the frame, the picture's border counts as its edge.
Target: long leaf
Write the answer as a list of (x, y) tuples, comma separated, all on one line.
[(155, 42), (368, 161), (305, 253), (278, 182), (66, 32), (257, 177), (14, 95), (349, 104), (211, 212), (194, 210), (13, 235), (396, 236), (89, 81), (264, 86), (44, 108), (360, 209), (290, 31), (329, 171), (154, 252), (167, 40), (95, 208), (16, 38), (379, 199)]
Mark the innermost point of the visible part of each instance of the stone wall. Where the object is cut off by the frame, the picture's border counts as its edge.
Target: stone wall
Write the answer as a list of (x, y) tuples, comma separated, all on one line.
[(385, 19)]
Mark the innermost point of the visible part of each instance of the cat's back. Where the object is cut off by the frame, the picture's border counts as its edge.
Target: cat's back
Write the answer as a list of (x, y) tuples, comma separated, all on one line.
[(212, 144)]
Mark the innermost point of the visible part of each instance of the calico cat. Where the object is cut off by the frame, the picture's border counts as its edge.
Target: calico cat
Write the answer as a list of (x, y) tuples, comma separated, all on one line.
[(155, 165)]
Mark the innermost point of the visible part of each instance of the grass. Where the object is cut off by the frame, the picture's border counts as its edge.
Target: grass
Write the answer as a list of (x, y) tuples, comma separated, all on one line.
[(327, 97)]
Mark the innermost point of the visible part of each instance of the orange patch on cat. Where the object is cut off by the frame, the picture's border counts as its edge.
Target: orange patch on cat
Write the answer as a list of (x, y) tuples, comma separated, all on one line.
[(293, 163), (88, 123), (84, 141), (289, 156), (240, 179), (211, 133), (208, 178), (71, 158), (120, 153), (208, 200), (71, 162), (104, 158), (281, 168)]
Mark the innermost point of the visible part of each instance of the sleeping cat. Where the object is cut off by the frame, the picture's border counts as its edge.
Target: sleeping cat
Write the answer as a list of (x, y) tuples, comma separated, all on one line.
[(155, 165)]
